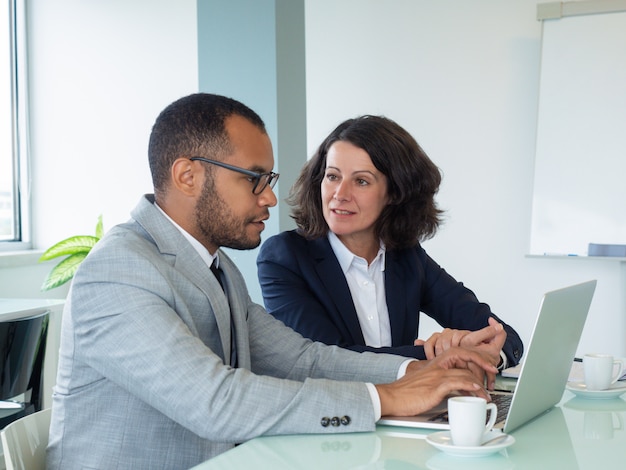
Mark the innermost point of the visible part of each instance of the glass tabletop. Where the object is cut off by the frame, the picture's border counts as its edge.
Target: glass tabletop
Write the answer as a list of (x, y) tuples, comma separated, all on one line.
[(577, 433)]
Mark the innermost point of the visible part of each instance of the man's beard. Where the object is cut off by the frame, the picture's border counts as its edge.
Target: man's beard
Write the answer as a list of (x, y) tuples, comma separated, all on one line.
[(218, 224)]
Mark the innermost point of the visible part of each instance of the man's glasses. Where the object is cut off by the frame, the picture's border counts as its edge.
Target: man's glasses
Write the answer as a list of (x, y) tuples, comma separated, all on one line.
[(261, 180)]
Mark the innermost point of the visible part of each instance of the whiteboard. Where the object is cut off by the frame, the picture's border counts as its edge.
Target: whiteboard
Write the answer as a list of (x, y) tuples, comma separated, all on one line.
[(579, 194)]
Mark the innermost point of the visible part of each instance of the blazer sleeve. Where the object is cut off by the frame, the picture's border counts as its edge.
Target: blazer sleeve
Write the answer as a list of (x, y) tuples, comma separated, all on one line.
[(453, 305), (294, 293)]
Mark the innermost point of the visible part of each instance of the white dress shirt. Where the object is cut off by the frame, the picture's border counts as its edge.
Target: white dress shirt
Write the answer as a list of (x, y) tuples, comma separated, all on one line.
[(367, 286)]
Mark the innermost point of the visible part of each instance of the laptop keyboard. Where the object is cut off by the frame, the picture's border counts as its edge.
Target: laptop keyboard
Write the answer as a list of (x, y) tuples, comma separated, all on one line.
[(502, 401), (440, 418)]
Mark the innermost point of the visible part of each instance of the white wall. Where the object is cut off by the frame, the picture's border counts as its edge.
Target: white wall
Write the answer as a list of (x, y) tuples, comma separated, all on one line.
[(463, 78), (100, 72)]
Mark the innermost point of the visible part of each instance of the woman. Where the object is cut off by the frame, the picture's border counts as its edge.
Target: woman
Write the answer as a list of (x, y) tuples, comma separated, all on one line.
[(354, 273)]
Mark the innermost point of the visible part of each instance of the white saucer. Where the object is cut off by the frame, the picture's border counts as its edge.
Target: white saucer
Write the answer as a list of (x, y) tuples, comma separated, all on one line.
[(443, 441), (580, 390)]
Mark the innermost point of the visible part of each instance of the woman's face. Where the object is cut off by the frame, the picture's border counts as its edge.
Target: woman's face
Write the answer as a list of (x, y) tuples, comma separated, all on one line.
[(354, 193)]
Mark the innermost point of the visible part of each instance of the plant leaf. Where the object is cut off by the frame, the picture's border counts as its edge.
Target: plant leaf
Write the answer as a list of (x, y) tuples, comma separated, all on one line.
[(70, 246), (64, 271), (99, 228)]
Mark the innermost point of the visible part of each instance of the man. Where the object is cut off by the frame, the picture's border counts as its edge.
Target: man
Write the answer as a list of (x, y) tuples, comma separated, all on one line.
[(151, 337)]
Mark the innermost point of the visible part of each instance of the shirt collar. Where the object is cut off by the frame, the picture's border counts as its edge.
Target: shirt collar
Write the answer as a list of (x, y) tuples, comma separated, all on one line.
[(346, 257), (206, 256)]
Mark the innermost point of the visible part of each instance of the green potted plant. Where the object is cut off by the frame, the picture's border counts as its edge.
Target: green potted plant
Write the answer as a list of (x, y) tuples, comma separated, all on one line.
[(76, 249)]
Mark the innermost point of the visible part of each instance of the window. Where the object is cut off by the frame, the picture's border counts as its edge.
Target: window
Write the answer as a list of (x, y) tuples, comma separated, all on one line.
[(13, 142)]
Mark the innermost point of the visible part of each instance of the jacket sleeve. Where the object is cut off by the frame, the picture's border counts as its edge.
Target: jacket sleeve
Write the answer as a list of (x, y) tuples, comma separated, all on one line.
[(453, 305)]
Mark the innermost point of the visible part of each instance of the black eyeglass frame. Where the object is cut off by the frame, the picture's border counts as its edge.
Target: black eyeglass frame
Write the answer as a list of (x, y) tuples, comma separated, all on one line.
[(270, 178)]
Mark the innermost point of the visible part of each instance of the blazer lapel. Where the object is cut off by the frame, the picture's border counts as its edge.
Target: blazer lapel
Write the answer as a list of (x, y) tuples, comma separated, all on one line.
[(333, 279), (234, 285), (201, 276), (397, 291), (170, 241)]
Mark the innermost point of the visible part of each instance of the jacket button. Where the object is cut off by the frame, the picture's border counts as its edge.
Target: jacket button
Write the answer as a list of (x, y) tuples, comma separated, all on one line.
[(334, 421), (325, 421), (345, 420)]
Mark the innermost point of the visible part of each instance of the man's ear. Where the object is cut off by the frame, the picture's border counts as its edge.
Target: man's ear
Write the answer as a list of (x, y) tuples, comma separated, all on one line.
[(187, 176)]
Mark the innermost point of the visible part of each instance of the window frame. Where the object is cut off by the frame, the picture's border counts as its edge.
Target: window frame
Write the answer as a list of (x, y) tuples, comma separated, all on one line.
[(19, 133)]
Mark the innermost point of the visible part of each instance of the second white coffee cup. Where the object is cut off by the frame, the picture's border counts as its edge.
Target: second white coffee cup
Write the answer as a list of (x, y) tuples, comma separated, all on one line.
[(467, 416), (601, 370)]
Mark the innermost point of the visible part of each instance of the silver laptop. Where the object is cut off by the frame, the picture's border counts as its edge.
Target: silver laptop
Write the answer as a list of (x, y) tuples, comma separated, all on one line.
[(546, 366)]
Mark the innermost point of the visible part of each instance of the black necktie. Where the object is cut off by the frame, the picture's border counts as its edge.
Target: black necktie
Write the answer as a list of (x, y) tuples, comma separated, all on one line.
[(217, 272), (233, 349)]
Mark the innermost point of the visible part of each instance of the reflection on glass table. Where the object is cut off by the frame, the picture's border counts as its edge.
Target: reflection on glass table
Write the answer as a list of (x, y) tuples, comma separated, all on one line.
[(578, 433)]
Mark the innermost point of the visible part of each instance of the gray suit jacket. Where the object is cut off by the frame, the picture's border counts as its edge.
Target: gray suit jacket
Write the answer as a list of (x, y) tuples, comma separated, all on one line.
[(144, 380)]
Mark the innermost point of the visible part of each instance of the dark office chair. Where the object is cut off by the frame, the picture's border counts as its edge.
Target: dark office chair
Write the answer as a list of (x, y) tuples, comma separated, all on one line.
[(22, 352)]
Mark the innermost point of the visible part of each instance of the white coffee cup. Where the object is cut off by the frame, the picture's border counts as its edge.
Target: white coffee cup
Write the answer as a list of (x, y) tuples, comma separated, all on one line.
[(467, 416), (601, 371)]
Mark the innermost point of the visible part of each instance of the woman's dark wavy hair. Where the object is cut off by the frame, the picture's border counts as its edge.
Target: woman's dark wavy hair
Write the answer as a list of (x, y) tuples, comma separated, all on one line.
[(412, 182)]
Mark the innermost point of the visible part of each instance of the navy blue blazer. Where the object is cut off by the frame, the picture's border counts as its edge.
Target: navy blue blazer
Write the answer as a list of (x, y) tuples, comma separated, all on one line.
[(304, 287)]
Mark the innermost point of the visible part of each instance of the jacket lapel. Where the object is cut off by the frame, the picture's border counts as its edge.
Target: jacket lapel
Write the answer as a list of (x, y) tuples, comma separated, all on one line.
[(402, 292), (185, 258), (234, 285), (333, 279), (201, 276)]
